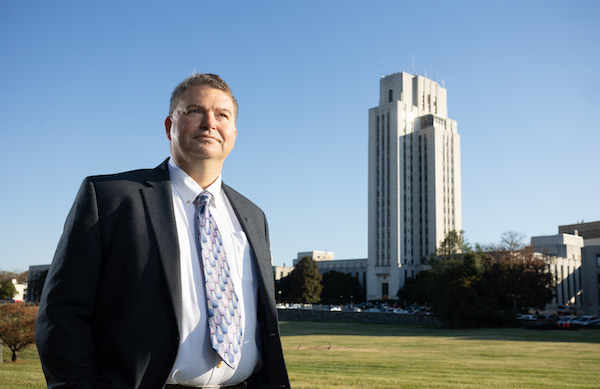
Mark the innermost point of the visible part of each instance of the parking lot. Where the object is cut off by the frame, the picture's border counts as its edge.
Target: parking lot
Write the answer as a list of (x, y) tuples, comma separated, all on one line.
[(552, 321)]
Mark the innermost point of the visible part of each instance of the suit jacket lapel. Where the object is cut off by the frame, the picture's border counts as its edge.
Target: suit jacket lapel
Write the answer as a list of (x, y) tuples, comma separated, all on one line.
[(159, 207), (248, 225), (256, 238)]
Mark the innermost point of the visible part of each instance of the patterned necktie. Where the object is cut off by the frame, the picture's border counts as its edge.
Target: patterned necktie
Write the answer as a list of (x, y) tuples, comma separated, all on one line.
[(223, 306)]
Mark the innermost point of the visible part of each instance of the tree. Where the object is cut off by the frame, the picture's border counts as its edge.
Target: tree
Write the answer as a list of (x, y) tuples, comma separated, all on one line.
[(284, 288), (339, 288), (523, 279), (306, 282), (453, 245), (17, 326), (458, 296), (418, 289), (7, 290), (468, 289), (512, 241)]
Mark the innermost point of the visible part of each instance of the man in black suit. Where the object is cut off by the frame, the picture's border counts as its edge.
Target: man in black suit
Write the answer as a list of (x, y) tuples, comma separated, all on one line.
[(124, 302)]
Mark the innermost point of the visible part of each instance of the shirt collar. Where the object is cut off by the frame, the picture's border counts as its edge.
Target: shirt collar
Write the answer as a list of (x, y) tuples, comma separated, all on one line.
[(188, 189)]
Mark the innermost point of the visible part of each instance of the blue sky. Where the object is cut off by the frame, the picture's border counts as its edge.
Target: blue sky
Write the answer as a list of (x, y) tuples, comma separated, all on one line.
[(84, 90)]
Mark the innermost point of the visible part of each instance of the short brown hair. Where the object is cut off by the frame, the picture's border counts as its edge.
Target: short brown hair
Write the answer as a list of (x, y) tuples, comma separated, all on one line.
[(211, 80)]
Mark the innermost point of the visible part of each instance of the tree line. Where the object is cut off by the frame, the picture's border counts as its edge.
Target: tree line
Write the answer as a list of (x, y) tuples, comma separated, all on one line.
[(481, 286), (305, 284), (464, 286)]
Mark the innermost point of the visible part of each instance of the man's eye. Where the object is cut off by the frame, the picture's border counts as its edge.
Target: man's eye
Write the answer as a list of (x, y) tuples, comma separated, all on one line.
[(193, 112)]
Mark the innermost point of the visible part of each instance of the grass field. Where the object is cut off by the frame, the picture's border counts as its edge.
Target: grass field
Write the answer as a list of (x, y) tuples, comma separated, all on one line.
[(345, 355)]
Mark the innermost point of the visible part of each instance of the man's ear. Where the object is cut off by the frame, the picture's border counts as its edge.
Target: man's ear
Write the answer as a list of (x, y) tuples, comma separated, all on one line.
[(168, 124)]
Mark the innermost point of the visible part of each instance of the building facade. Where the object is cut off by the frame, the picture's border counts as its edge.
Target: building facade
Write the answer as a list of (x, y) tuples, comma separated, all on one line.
[(562, 253), (589, 230), (35, 282), (315, 255), (414, 180), (357, 268), (590, 263), (326, 262)]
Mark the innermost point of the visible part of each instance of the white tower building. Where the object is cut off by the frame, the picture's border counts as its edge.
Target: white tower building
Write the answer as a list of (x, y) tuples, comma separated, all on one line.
[(414, 180)]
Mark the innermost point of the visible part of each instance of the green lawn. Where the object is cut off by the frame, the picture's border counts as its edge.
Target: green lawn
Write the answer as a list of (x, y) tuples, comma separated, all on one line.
[(345, 355), (26, 373)]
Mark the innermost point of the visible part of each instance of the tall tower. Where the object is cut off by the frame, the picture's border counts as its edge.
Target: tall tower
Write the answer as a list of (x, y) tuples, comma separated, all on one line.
[(414, 180)]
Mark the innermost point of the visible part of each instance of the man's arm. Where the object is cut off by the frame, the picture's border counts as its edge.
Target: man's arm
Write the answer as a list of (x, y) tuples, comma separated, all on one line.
[(64, 330)]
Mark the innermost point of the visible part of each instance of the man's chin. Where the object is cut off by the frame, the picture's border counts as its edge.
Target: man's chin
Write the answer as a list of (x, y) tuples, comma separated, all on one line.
[(207, 155)]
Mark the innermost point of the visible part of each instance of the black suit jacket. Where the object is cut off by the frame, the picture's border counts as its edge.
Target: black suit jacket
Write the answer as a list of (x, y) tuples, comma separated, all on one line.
[(111, 304)]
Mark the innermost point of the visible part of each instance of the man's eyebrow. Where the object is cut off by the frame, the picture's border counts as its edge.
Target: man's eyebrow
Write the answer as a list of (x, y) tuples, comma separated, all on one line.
[(218, 108)]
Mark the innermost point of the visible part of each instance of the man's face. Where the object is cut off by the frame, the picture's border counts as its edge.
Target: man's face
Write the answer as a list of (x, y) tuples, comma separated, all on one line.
[(202, 127)]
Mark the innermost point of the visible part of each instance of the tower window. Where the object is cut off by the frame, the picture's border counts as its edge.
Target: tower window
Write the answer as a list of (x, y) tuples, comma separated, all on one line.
[(390, 96)]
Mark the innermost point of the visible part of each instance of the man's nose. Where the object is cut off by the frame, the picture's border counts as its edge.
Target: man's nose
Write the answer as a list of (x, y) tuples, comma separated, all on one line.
[(209, 121)]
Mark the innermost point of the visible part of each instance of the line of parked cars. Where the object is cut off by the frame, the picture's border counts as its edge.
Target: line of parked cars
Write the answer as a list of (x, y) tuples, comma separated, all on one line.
[(556, 321), (362, 307), (413, 309)]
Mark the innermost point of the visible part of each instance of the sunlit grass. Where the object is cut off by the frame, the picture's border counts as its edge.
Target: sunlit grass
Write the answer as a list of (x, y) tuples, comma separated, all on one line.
[(387, 356), (26, 373), (346, 355)]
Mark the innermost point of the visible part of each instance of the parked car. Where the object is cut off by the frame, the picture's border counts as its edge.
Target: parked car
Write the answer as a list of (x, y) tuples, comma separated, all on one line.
[(335, 308), (565, 322), (395, 310), (280, 306), (585, 321), (527, 317), (545, 322)]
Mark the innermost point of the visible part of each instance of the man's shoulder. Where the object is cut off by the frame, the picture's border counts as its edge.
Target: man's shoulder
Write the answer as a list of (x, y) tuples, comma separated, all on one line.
[(131, 177), (239, 200)]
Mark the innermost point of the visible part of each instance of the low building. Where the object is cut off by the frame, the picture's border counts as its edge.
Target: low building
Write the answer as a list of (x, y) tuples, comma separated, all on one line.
[(35, 282), (21, 290), (326, 262), (590, 270), (280, 272), (315, 255), (563, 255), (590, 263), (357, 268), (589, 230)]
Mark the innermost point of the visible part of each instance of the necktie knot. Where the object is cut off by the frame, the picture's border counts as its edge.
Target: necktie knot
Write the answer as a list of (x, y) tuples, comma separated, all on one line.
[(203, 200)]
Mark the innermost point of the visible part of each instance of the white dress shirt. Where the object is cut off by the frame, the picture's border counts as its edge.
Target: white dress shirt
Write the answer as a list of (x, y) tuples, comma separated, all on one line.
[(197, 364)]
